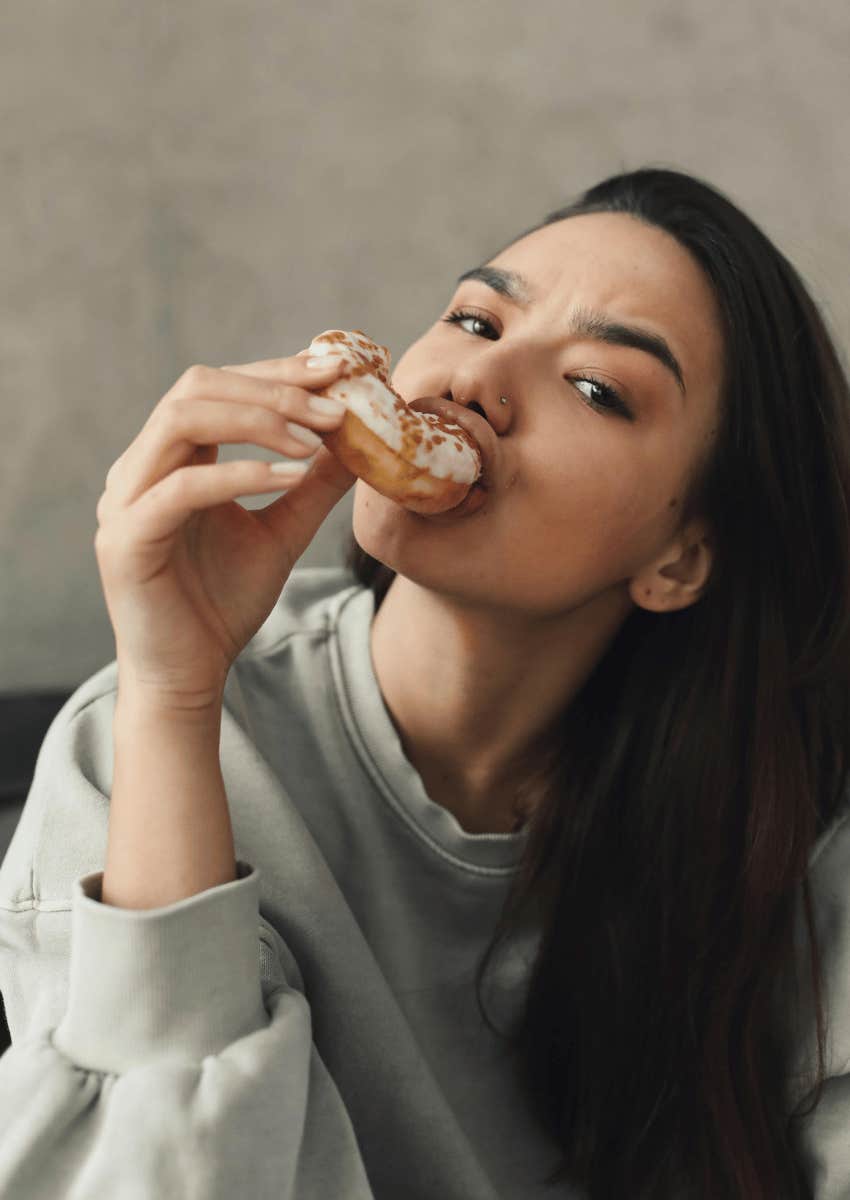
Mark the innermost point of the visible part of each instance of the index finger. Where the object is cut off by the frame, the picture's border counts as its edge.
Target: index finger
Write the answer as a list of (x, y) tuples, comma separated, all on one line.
[(275, 368)]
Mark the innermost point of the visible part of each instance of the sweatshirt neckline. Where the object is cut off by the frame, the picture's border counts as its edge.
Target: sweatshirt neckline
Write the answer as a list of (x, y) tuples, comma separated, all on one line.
[(379, 747)]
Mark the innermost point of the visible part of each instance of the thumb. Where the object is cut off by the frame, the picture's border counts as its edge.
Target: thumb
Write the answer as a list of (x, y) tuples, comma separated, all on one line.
[(295, 517)]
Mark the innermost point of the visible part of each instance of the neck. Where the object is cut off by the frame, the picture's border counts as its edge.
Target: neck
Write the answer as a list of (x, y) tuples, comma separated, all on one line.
[(474, 692)]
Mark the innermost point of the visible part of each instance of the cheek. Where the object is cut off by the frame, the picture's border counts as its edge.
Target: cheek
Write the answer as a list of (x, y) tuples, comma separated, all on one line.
[(608, 503)]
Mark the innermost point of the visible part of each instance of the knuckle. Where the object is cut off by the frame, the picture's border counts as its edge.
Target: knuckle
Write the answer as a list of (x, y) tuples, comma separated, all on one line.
[(280, 394), (260, 420), (103, 541), (112, 473), (193, 377), (193, 380)]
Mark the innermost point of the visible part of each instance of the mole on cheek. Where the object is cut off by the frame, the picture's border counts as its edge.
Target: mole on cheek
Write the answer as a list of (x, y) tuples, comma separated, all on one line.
[(673, 502)]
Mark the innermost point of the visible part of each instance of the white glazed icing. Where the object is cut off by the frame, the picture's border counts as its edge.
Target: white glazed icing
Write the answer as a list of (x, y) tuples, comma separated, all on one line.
[(369, 397)]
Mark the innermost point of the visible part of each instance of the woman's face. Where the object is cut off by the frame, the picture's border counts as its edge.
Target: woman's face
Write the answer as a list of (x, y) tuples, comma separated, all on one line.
[(585, 496)]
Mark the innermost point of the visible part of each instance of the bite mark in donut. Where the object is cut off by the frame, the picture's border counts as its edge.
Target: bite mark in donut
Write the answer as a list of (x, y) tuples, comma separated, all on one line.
[(424, 462)]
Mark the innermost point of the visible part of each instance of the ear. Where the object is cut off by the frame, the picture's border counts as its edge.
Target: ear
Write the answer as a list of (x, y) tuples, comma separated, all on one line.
[(678, 577)]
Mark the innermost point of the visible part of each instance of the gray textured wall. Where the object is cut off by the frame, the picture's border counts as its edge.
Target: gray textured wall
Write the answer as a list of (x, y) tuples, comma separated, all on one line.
[(213, 181)]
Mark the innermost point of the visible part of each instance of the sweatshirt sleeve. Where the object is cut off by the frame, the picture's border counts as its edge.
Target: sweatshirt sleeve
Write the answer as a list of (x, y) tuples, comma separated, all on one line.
[(163, 1053), (183, 1065)]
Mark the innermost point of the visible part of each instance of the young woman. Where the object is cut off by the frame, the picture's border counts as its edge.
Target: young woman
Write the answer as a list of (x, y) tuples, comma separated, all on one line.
[(540, 814)]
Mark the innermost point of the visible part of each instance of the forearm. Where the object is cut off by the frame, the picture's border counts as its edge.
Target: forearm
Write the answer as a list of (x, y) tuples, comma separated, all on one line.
[(169, 824)]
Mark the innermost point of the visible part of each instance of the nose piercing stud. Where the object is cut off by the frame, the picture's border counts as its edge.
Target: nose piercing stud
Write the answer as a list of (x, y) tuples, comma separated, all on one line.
[(503, 399)]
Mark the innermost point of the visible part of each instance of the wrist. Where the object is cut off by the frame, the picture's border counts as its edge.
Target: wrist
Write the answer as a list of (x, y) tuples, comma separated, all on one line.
[(169, 824), (182, 705)]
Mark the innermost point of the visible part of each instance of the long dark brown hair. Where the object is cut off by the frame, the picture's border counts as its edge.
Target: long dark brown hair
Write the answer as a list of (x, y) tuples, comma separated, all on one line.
[(669, 835)]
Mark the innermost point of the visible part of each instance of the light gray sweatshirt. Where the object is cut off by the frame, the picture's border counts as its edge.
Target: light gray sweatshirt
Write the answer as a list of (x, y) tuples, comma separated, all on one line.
[(309, 1030)]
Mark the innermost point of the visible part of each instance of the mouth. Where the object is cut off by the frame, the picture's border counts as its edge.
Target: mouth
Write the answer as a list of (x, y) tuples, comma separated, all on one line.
[(474, 500), (479, 429)]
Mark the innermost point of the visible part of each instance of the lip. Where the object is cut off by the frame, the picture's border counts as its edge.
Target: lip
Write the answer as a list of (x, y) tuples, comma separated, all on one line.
[(479, 429), (474, 500)]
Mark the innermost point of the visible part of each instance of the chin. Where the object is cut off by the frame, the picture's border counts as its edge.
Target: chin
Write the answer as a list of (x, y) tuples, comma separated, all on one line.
[(381, 526), (402, 540)]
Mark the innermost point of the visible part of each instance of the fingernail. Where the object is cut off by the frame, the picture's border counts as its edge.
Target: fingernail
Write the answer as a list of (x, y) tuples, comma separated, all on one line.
[(304, 435), (288, 468), (327, 360), (324, 404)]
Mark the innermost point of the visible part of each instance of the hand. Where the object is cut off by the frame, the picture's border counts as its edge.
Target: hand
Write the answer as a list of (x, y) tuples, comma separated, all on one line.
[(189, 575)]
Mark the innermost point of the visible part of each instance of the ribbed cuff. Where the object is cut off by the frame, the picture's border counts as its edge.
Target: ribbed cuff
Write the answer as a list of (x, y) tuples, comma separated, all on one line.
[(177, 982)]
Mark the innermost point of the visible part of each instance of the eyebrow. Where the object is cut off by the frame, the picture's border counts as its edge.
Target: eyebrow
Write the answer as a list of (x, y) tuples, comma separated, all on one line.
[(584, 321)]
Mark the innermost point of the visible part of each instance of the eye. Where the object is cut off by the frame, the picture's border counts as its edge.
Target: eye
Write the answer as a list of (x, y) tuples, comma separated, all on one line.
[(606, 398), (464, 314)]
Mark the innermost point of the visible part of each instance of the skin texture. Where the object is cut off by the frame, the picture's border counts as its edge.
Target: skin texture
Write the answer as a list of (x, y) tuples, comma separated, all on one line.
[(495, 620)]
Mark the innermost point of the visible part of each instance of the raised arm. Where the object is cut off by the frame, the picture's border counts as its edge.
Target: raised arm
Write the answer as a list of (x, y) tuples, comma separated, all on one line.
[(169, 824)]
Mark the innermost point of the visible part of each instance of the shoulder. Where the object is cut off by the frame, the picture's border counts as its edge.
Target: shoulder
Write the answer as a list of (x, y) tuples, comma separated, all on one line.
[(829, 883), (62, 830), (828, 880), (829, 860)]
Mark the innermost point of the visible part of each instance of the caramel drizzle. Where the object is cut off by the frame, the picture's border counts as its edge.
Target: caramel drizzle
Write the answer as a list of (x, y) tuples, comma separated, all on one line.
[(414, 425)]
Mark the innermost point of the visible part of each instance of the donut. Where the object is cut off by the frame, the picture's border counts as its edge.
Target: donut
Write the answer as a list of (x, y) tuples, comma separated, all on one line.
[(424, 462)]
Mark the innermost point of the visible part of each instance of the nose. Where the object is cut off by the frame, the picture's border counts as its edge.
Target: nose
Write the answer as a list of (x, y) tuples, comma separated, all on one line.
[(488, 404)]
